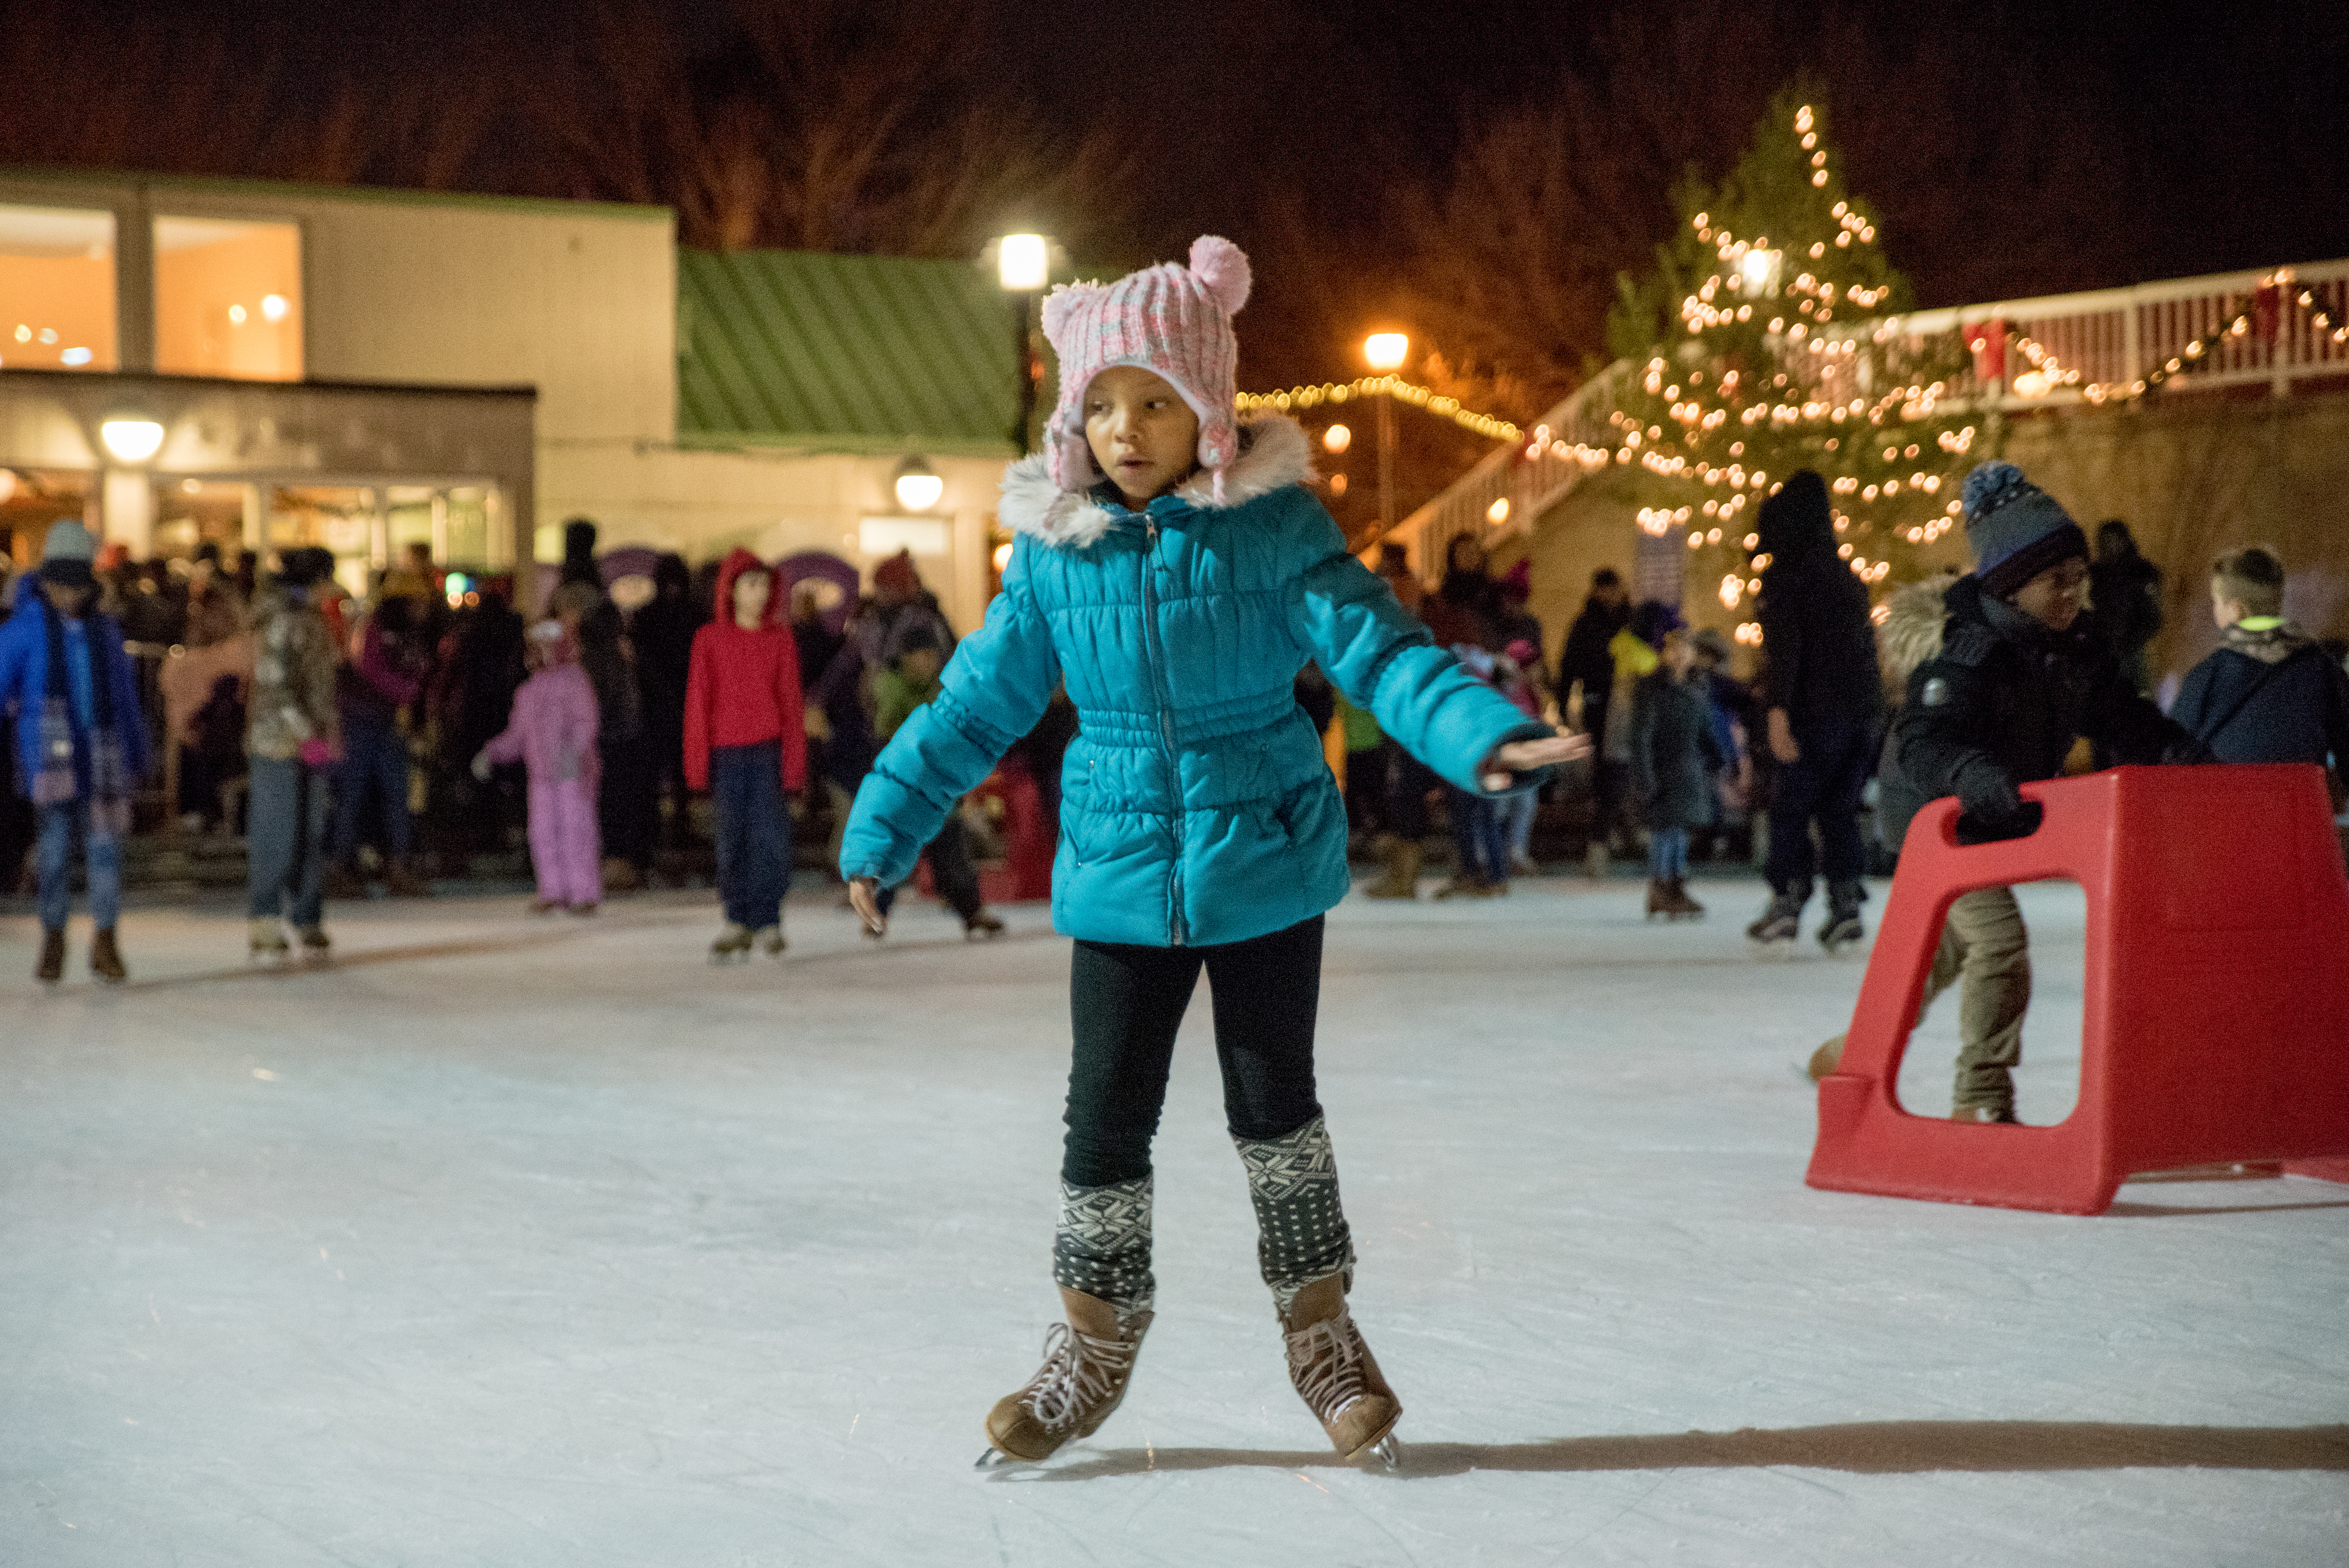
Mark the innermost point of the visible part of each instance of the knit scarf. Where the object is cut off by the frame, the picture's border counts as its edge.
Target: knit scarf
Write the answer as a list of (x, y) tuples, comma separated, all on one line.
[(55, 782), (2270, 639)]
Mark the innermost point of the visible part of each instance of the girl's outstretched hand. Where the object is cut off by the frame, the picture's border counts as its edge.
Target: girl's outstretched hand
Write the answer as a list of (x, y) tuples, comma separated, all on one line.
[(864, 898), (1525, 756)]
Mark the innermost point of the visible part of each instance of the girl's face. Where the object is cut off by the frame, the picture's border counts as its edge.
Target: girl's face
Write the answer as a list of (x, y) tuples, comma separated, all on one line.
[(1143, 434), (751, 590)]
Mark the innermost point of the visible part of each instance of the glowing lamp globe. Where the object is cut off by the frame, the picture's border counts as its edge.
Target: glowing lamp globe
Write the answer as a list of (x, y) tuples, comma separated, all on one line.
[(130, 438), (1386, 350), (919, 488), (1023, 261), (1337, 439)]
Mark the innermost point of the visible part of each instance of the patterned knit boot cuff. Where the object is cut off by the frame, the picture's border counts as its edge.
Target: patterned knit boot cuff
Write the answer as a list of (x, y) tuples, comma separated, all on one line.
[(1301, 1232), (1101, 1244)]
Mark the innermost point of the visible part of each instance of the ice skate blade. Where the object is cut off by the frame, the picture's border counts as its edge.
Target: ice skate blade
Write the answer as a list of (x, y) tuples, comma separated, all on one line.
[(995, 1458), (1389, 1453)]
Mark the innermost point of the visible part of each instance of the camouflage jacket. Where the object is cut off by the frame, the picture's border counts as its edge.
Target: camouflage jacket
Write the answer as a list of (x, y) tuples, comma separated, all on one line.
[(292, 677)]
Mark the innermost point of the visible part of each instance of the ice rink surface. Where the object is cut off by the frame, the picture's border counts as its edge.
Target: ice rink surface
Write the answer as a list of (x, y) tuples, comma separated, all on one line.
[(513, 1242)]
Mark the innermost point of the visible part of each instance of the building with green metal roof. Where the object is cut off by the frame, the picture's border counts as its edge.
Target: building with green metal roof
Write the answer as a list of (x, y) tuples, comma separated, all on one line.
[(850, 354)]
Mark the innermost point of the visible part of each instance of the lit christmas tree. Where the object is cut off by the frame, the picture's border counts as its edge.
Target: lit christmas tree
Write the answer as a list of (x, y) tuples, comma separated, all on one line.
[(1767, 342)]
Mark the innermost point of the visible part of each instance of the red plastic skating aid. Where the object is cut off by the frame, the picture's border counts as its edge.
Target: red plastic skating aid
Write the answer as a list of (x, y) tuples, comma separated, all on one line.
[(2217, 1026)]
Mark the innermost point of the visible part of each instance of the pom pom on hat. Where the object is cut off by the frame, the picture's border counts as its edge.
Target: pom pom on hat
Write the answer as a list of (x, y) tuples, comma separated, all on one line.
[(1223, 268), (2016, 529), (1991, 486)]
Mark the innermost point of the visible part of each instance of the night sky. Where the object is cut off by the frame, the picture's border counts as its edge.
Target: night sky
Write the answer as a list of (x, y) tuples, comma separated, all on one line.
[(2012, 148)]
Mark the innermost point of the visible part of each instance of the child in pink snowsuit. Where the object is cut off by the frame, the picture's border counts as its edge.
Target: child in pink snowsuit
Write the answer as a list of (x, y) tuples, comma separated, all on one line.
[(553, 734)]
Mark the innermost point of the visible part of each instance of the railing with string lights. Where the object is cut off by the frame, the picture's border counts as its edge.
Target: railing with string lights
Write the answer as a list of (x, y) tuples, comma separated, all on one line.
[(2272, 328)]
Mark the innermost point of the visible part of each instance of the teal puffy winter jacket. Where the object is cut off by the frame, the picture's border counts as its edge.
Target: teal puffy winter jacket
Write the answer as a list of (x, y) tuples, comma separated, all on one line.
[(1197, 807)]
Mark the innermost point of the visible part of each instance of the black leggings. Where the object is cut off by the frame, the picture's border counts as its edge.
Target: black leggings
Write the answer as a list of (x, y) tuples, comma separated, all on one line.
[(1126, 1003)]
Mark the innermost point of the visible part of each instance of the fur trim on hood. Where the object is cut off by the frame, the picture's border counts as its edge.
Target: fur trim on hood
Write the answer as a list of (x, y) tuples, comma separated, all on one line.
[(1911, 632), (1274, 454)]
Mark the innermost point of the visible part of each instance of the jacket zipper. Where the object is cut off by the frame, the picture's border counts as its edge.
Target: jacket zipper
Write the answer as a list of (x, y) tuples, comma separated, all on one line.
[(1175, 930)]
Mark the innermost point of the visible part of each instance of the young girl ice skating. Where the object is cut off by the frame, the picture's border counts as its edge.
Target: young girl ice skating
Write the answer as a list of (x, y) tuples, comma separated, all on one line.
[(552, 733), (1169, 565)]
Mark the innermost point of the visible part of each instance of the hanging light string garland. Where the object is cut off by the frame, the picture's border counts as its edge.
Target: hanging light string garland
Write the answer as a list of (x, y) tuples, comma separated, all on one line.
[(1395, 387), (2240, 312)]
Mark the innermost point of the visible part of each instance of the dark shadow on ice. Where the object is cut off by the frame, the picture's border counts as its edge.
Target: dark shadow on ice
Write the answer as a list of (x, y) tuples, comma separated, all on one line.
[(1858, 1448)]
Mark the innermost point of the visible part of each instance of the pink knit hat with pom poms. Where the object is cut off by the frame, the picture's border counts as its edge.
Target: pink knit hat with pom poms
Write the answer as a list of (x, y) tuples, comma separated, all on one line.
[(1173, 320)]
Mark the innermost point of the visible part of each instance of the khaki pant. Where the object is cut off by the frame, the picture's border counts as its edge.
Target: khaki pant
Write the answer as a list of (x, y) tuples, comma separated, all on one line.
[(1987, 953)]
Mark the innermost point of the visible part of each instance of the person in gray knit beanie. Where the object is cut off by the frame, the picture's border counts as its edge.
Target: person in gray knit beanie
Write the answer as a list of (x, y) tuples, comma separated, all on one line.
[(2017, 529)]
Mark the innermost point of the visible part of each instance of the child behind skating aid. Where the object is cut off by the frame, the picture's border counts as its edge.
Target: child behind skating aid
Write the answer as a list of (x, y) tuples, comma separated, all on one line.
[(2015, 682), (1674, 760), (1170, 566), (553, 734), (745, 744), (2268, 694)]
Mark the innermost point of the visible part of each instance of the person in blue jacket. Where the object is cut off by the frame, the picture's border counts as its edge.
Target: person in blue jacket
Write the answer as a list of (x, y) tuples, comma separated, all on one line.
[(81, 739), (1168, 564)]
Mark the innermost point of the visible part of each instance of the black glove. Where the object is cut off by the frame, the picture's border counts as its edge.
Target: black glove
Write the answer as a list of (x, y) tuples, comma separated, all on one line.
[(2186, 749), (1993, 808)]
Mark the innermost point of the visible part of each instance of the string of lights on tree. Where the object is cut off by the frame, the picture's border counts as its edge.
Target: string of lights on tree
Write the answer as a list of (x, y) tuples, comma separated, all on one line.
[(1768, 341)]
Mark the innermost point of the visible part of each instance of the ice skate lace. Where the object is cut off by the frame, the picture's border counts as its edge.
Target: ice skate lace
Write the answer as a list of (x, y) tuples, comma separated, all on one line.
[(1079, 1374), (1325, 1362)]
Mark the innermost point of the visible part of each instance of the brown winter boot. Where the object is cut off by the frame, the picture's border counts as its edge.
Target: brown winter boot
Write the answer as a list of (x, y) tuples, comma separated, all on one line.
[(1333, 1371), (1659, 901), (399, 876), (1087, 1362), (52, 966), (106, 959), (1402, 879), (1827, 1058), (1677, 890)]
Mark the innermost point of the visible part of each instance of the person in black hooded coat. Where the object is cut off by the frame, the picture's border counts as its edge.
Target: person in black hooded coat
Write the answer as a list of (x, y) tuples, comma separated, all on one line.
[(1823, 702)]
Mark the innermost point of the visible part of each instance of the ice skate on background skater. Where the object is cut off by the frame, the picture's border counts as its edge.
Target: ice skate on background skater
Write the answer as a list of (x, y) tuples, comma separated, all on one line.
[(1169, 566)]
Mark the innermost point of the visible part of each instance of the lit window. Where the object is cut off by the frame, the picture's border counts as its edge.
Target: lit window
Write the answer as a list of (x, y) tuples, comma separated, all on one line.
[(57, 288), (228, 298)]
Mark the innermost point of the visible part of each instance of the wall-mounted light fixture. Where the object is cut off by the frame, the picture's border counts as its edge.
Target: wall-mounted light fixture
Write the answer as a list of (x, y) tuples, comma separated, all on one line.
[(130, 438), (918, 486)]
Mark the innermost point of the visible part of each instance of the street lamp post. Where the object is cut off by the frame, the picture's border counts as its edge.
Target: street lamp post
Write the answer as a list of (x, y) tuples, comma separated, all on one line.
[(1385, 352), (1023, 264)]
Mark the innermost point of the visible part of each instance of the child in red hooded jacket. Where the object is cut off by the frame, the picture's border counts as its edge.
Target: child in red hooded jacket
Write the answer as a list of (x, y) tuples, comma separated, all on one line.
[(744, 743)]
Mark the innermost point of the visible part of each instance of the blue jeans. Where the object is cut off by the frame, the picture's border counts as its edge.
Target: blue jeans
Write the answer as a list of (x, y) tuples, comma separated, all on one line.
[(375, 763), (1822, 784), (754, 832), (1515, 814), (1476, 836), (1667, 853), (286, 841), (101, 855)]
